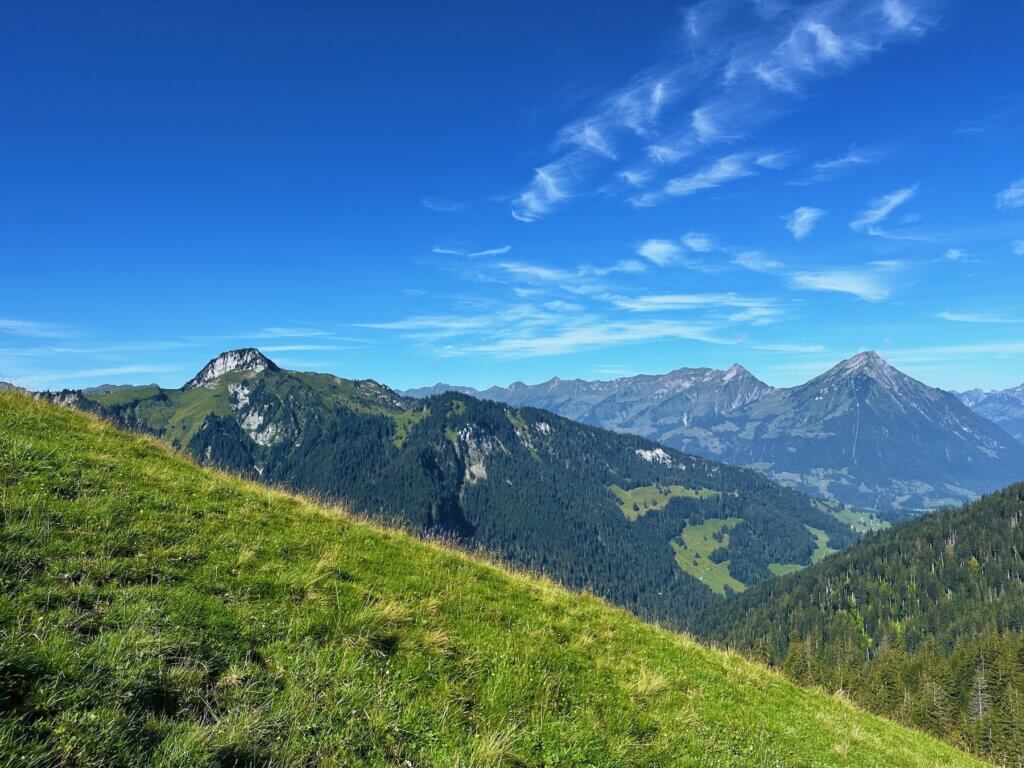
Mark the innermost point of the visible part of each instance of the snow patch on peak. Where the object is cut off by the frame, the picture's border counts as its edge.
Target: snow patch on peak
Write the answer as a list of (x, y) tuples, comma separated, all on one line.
[(248, 359)]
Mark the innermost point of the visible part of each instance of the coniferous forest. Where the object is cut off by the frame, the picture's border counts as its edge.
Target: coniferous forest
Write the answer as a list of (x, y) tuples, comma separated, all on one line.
[(923, 623)]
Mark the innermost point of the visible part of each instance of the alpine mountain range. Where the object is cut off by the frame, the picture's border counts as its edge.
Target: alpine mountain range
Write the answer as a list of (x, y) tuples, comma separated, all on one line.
[(862, 433)]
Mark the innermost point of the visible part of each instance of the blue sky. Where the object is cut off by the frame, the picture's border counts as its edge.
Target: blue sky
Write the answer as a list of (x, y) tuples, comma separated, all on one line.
[(479, 194)]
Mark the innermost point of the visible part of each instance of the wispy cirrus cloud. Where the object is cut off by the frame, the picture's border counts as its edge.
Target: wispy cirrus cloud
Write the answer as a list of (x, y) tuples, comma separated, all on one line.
[(977, 318), (735, 68), (501, 250), (1018, 248), (685, 301), (584, 280), (665, 155), (879, 209), (32, 329), (756, 261), (1012, 196), (698, 242), (550, 186), (447, 250), (528, 330), (802, 221), (959, 255), (721, 171), (441, 205), (826, 170), (660, 252), (585, 336), (590, 136), (868, 285)]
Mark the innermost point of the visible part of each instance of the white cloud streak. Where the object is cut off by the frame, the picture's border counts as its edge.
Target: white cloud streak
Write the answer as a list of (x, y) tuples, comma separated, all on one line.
[(499, 251), (698, 242), (736, 68), (976, 318), (550, 186), (1012, 196), (660, 252), (574, 339), (866, 285), (878, 210), (721, 171), (439, 205), (802, 220), (825, 170), (688, 301), (756, 261), (33, 329)]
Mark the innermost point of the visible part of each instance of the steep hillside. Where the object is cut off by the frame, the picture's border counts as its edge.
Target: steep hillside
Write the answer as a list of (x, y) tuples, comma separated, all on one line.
[(591, 508), (156, 613), (1004, 407), (863, 433), (923, 622)]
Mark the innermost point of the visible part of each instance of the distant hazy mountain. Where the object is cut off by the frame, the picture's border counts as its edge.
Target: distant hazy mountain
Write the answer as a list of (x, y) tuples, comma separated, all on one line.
[(6, 385), (862, 433), (652, 529), (106, 389), (438, 389), (1004, 407)]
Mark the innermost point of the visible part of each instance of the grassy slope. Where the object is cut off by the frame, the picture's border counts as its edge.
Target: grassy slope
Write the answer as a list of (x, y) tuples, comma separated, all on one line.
[(154, 613), (694, 550), (653, 497)]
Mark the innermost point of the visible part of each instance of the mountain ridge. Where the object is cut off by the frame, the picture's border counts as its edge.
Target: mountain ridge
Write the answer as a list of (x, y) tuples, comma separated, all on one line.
[(846, 451), (1004, 407), (592, 508)]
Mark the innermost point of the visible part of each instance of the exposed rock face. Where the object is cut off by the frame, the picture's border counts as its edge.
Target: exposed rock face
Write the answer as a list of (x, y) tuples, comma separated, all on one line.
[(248, 359)]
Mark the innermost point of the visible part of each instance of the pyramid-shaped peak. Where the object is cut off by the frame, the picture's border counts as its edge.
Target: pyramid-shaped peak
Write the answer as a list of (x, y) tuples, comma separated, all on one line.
[(245, 359), (862, 360), (736, 370), (870, 364)]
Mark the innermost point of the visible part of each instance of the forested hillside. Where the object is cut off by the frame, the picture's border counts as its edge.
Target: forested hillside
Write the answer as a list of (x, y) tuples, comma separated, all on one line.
[(591, 508), (923, 622)]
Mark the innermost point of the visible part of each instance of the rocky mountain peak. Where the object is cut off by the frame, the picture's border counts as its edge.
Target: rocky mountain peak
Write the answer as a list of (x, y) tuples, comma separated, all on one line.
[(868, 363), (247, 359), (736, 370)]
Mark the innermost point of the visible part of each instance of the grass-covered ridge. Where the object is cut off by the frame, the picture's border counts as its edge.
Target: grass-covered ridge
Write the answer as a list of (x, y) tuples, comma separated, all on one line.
[(156, 613)]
